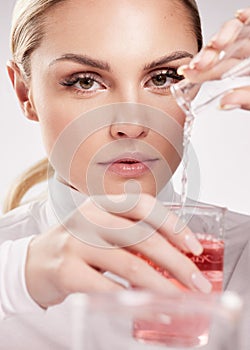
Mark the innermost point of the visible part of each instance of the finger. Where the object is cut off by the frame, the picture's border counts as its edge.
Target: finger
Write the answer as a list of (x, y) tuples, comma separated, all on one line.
[(169, 225), (81, 226), (164, 256), (130, 267), (152, 212), (226, 35), (214, 73), (100, 228), (145, 209), (238, 98), (82, 278), (104, 229), (243, 15), (161, 252), (136, 271), (179, 234), (214, 51)]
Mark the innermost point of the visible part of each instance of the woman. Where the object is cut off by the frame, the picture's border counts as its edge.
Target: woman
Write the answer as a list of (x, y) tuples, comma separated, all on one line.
[(96, 75)]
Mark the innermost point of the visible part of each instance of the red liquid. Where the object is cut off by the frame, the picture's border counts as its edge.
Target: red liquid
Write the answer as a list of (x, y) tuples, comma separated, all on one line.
[(188, 330)]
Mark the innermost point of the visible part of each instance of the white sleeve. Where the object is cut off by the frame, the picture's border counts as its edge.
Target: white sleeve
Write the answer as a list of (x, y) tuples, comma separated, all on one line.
[(14, 297)]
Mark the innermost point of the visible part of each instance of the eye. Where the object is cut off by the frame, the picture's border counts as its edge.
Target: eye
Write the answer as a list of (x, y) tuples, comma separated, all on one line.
[(85, 83), (160, 81)]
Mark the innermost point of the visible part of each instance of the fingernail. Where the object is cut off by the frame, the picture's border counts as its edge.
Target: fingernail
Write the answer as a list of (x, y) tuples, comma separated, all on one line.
[(221, 55), (181, 69), (195, 60), (200, 282), (193, 244), (229, 107), (211, 43), (241, 16), (239, 12), (203, 59)]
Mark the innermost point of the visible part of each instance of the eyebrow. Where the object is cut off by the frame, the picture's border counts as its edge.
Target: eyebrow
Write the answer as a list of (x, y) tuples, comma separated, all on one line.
[(174, 56), (84, 60), (95, 63)]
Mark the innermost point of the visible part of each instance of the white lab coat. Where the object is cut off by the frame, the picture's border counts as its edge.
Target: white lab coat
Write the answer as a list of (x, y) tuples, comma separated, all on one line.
[(25, 326)]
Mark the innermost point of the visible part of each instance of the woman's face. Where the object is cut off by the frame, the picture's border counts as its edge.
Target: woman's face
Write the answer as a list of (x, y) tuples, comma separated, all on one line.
[(104, 54)]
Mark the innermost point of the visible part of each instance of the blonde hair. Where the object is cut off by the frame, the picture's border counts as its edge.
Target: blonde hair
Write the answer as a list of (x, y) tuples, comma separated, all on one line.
[(34, 175), (27, 29), (26, 35)]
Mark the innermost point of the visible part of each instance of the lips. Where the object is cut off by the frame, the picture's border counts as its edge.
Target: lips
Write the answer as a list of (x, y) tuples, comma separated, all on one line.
[(130, 165)]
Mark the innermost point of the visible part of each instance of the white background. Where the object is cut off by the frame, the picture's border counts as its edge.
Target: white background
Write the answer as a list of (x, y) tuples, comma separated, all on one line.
[(221, 142)]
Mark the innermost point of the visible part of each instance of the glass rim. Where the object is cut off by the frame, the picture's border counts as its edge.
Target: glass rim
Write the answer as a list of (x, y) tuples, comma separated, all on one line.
[(134, 302), (200, 206)]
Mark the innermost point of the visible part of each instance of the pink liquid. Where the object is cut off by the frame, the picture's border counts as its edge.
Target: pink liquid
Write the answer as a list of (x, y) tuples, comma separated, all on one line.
[(210, 262), (185, 330), (175, 330)]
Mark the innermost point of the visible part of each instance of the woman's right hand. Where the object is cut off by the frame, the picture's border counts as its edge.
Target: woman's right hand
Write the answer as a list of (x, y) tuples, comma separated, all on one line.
[(207, 65), (59, 264)]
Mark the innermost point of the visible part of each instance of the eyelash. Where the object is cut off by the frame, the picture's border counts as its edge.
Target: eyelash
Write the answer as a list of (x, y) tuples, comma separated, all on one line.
[(171, 76), (168, 74), (74, 79)]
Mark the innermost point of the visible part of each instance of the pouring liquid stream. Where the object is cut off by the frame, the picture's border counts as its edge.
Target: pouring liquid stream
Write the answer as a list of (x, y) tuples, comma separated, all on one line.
[(237, 76), (188, 126)]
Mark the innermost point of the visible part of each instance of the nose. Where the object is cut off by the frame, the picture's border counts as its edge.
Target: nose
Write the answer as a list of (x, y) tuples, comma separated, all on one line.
[(129, 120), (128, 130)]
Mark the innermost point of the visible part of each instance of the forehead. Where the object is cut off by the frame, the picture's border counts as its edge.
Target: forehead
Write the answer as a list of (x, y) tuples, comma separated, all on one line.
[(124, 26)]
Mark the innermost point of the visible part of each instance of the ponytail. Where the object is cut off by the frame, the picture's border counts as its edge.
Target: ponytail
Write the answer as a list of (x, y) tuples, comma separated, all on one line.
[(38, 173)]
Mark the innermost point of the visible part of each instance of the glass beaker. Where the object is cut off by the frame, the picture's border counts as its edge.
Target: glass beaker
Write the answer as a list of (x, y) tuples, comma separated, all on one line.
[(207, 223), (230, 69), (106, 321)]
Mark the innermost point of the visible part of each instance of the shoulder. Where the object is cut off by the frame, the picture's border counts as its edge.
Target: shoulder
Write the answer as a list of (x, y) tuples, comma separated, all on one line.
[(234, 220), (237, 232), (237, 229), (22, 221)]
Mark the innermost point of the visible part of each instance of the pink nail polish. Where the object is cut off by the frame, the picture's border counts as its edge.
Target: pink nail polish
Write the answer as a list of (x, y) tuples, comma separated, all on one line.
[(193, 244), (201, 283)]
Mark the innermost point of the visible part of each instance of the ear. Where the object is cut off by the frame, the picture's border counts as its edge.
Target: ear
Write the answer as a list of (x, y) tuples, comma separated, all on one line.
[(22, 90)]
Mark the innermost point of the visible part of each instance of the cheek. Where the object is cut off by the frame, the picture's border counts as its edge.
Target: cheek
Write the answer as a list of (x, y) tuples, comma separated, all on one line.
[(56, 112), (169, 148), (58, 120), (52, 126), (176, 113), (84, 153), (167, 104)]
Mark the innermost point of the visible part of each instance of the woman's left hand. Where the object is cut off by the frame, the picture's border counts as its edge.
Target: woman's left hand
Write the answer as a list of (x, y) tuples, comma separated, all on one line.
[(206, 64)]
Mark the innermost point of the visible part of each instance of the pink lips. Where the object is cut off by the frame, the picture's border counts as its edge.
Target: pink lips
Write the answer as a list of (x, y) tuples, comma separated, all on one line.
[(130, 166)]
